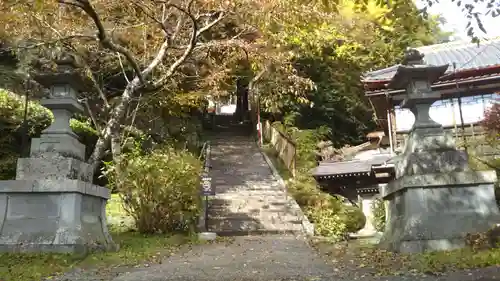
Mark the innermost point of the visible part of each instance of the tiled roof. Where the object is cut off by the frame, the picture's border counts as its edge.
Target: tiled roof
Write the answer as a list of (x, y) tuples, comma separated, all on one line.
[(466, 56), (349, 167)]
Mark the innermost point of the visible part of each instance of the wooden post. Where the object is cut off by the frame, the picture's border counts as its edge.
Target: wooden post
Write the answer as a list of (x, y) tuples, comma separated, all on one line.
[(393, 125)]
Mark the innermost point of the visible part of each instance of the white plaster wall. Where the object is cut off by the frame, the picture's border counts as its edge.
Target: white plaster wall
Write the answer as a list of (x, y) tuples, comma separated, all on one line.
[(447, 113)]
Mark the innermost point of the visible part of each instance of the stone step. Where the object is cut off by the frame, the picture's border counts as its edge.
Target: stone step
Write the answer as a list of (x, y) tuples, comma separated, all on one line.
[(290, 215), (245, 225)]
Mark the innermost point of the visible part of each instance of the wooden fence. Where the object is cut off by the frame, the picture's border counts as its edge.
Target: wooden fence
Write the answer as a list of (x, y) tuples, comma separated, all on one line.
[(283, 145)]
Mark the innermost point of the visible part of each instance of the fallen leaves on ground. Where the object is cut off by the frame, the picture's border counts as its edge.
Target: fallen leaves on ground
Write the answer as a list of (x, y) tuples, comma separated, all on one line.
[(356, 258)]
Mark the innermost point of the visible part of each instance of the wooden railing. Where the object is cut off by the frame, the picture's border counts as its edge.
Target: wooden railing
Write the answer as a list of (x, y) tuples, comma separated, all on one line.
[(284, 146)]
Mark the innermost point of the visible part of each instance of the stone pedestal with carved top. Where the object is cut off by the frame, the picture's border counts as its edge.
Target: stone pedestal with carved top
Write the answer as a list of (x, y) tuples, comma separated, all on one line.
[(436, 199), (53, 205)]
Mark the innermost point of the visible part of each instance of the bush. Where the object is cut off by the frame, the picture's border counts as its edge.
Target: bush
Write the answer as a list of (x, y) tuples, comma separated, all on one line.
[(330, 217), (160, 190), (378, 209), (11, 129), (329, 223), (353, 218)]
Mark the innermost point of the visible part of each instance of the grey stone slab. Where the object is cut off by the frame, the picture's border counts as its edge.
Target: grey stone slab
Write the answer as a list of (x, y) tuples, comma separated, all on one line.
[(52, 185), (66, 145), (32, 206), (53, 166), (16, 186)]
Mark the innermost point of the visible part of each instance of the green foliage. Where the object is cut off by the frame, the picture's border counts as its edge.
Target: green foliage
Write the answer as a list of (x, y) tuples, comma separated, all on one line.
[(354, 218), (160, 190), (332, 49), (86, 133), (329, 223), (378, 209), (332, 219), (12, 114), (11, 129)]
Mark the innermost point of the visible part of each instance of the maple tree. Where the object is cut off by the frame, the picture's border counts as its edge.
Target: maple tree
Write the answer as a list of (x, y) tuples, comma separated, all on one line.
[(150, 55)]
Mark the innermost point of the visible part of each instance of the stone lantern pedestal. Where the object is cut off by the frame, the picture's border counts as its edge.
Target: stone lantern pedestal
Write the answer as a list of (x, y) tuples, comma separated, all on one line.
[(52, 206), (435, 199)]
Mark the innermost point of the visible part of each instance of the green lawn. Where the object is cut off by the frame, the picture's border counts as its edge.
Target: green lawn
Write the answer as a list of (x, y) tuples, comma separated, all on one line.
[(134, 249)]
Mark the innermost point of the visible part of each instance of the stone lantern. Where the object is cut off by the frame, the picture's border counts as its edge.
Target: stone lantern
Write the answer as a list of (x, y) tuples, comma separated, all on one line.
[(53, 205), (435, 199)]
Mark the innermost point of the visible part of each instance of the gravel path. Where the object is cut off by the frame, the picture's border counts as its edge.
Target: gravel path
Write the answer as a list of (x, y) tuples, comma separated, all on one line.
[(255, 258)]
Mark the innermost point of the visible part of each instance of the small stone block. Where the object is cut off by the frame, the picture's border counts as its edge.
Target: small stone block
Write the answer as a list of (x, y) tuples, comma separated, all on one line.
[(207, 236), (53, 166), (63, 144), (54, 185)]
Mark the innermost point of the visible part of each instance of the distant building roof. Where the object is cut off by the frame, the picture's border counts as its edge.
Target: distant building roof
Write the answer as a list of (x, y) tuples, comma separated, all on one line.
[(350, 167), (466, 56)]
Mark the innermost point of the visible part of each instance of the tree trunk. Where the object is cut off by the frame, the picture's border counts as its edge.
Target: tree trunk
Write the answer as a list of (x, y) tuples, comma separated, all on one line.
[(113, 126)]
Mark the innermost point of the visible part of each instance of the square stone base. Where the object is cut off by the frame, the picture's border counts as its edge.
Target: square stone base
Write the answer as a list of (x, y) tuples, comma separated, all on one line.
[(53, 216), (66, 144), (53, 166), (437, 211)]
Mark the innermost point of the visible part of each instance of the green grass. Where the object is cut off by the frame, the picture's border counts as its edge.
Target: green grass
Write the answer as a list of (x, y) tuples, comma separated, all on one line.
[(135, 249)]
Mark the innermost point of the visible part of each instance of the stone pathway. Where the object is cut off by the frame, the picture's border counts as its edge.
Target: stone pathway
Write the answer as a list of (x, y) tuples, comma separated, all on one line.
[(249, 198), (247, 258)]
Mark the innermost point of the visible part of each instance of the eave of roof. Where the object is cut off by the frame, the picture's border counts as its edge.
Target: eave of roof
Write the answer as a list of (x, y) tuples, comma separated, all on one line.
[(465, 60), (441, 84), (349, 168)]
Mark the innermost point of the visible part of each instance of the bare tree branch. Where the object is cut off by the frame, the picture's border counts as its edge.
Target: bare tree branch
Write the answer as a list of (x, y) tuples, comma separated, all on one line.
[(195, 34), (93, 117), (96, 86), (123, 68), (105, 40)]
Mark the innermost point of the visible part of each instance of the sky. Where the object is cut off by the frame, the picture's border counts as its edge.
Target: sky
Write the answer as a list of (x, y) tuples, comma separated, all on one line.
[(457, 22)]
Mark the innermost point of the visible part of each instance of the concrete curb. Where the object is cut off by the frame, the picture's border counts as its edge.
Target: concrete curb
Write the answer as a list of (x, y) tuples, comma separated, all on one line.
[(307, 226)]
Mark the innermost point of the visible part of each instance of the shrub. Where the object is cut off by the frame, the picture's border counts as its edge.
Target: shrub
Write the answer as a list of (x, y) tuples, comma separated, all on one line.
[(329, 223), (330, 217), (160, 190), (378, 209), (86, 133), (353, 218), (11, 129), (12, 113)]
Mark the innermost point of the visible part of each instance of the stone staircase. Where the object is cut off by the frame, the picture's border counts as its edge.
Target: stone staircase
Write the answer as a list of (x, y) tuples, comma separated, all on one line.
[(249, 198)]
